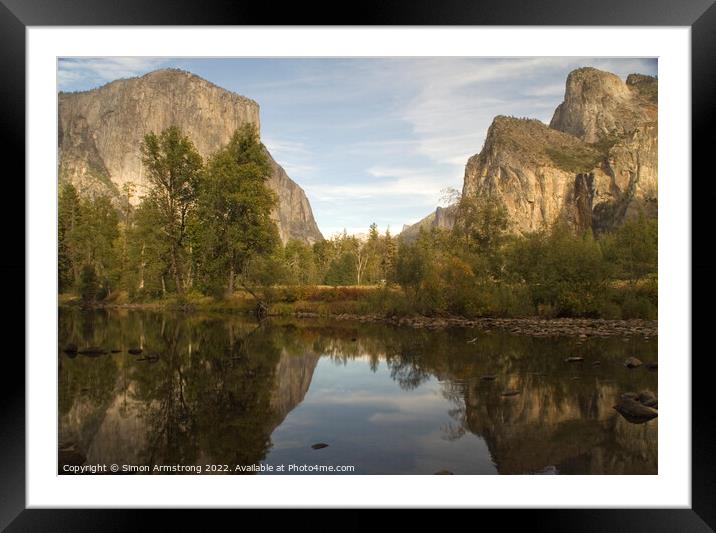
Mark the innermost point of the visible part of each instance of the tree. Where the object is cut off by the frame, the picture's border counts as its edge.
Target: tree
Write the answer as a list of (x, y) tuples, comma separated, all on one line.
[(480, 229), (413, 263), (388, 253), (149, 253), (68, 211), (173, 169), (299, 263), (563, 271), (88, 284), (633, 248), (235, 207)]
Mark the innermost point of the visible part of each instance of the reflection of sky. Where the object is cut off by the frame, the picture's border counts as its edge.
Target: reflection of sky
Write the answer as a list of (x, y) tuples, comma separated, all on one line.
[(372, 139), (370, 422)]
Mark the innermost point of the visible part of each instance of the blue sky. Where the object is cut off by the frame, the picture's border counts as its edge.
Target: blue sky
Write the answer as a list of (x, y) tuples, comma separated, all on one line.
[(372, 139)]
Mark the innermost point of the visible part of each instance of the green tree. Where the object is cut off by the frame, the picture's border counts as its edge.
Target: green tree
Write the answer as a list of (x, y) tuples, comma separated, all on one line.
[(480, 230), (235, 210), (633, 248), (173, 169), (566, 273), (299, 262), (68, 264), (89, 286), (148, 253)]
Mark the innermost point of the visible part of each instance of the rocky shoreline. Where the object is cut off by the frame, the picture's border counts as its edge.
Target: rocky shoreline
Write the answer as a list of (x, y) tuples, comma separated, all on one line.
[(535, 327), (582, 328)]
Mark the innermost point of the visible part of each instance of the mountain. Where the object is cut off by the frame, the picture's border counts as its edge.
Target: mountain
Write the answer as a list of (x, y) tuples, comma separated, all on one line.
[(593, 166), (441, 218), (100, 132)]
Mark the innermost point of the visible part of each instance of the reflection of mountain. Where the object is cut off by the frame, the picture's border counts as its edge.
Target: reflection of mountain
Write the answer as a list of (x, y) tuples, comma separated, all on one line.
[(219, 405), (292, 379), (543, 429), (222, 386)]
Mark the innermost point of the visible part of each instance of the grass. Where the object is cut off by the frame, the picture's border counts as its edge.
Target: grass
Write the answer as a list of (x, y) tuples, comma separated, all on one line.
[(625, 300)]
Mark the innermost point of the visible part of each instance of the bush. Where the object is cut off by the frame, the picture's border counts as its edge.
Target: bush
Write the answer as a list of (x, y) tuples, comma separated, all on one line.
[(638, 306), (609, 310)]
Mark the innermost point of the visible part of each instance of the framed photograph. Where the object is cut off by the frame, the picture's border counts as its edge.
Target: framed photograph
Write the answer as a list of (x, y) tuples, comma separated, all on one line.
[(429, 257)]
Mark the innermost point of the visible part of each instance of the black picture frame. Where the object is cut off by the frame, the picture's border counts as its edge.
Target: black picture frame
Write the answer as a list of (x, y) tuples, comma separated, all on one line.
[(699, 15)]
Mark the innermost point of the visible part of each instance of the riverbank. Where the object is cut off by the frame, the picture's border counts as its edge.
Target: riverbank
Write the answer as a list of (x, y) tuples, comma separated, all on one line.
[(582, 328)]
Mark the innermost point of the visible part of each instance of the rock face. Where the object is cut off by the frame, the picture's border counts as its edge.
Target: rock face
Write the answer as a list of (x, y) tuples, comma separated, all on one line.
[(598, 104), (441, 218), (100, 132), (594, 166), (520, 164)]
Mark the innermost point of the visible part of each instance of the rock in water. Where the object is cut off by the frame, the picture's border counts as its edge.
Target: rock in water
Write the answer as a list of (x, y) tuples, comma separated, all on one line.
[(71, 348), (648, 398), (100, 132), (632, 362), (574, 359), (511, 392), (443, 473), (69, 454), (635, 412), (135, 351), (319, 445)]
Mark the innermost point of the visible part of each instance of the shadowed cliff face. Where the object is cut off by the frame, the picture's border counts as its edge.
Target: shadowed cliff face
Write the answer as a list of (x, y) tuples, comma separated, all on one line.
[(388, 400), (100, 132)]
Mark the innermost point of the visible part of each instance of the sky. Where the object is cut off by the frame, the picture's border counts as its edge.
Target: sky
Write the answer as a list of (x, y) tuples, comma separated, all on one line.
[(372, 139)]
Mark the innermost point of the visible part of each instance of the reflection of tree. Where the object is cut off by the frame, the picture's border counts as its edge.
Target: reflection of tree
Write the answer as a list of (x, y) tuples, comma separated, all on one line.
[(406, 370), (221, 385)]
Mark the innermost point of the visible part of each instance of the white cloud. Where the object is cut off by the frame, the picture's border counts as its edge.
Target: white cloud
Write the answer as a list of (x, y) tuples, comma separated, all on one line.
[(97, 71)]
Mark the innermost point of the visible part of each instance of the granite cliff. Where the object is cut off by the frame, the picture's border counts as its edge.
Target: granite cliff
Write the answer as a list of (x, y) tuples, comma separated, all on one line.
[(593, 166), (441, 218), (100, 131)]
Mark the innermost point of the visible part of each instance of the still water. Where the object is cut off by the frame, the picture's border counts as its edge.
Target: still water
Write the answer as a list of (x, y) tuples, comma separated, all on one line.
[(222, 390)]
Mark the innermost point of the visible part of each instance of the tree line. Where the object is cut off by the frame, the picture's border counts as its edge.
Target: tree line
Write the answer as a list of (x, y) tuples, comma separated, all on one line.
[(205, 227)]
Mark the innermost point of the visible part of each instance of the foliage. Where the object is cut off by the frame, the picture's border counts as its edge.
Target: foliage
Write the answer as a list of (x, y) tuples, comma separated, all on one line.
[(234, 211), (202, 231), (577, 158), (173, 169)]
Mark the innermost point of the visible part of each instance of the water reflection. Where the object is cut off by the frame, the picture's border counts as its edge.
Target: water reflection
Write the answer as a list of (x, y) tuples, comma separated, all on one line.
[(223, 390)]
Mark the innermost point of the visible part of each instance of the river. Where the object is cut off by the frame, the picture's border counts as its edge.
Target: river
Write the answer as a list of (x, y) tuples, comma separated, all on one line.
[(229, 395)]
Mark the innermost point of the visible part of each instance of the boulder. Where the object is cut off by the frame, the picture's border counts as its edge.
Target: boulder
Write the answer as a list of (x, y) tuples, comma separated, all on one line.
[(635, 412), (648, 398), (632, 362), (71, 348)]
